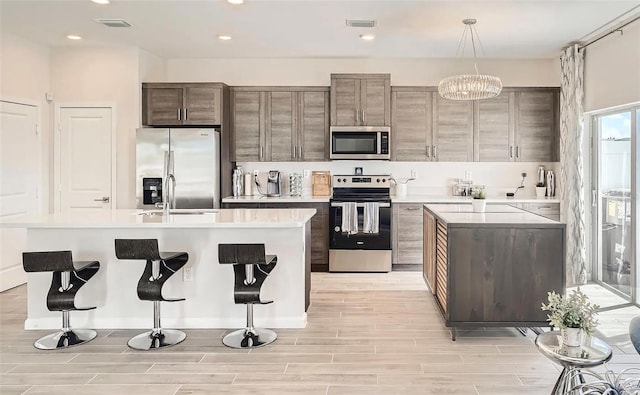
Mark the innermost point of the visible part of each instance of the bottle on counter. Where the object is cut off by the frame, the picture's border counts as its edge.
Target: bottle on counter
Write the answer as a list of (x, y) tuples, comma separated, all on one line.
[(238, 181)]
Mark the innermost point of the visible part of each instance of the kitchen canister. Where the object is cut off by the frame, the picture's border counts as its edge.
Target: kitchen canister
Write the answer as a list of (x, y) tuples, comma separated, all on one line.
[(401, 189), (248, 184)]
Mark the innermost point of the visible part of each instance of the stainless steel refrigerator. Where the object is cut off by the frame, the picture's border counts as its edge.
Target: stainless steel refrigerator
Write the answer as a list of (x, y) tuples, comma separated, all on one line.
[(191, 155)]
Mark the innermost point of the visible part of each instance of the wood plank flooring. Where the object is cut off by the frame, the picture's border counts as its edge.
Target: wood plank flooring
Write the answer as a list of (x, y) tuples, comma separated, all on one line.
[(366, 334)]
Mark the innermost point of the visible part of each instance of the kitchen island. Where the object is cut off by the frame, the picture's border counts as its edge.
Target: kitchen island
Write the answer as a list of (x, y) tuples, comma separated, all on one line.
[(208, 290), (493, 268)]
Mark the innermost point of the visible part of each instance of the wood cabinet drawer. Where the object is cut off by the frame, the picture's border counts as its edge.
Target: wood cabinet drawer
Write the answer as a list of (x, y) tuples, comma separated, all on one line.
[(543, 208), (409, 209)]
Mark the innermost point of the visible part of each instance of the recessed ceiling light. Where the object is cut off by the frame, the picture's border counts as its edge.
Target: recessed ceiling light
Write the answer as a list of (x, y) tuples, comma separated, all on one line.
[(367, 37), (235, 1), (224, 37), (74, 37), (101, 1)]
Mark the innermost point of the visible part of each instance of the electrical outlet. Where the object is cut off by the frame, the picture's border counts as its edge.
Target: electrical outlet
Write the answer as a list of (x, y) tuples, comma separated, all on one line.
[(414, 173), (306, 173), (255, 173), (187, 274)]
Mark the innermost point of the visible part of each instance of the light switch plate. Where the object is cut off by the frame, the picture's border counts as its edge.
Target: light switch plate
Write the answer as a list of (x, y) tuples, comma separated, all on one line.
[(306, 173)]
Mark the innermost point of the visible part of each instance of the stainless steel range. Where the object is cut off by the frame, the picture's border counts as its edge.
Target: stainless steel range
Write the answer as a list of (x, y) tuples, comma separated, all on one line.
[(360, 224)]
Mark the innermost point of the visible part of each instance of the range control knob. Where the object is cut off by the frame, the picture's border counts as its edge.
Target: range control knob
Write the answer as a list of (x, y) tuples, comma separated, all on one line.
[(339, 180), (384, 180), (337, 229), (377, 180), (344, 180)]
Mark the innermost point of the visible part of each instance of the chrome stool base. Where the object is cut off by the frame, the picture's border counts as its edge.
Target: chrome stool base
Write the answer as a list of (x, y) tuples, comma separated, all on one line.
[(245, 338), (153, 340), (65, 339)]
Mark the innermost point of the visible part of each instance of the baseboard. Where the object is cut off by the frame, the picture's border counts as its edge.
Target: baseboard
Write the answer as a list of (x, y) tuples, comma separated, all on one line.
[(404, 267), (11, 277)]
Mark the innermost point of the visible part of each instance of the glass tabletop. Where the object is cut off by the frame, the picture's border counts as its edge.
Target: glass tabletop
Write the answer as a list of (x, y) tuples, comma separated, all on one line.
[(592, 352)]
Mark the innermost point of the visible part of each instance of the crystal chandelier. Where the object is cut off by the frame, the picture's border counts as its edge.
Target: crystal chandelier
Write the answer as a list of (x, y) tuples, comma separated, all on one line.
[(470, 86)]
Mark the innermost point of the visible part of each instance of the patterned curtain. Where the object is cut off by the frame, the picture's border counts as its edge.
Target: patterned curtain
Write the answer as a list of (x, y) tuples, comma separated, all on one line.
[(571, 169)]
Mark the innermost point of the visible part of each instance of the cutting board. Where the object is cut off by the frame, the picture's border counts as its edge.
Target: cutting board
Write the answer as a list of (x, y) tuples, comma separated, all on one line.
[(321, 183)]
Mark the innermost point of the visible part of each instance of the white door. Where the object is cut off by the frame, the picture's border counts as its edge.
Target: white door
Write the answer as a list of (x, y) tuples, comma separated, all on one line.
[(19, 179), (85, 154)]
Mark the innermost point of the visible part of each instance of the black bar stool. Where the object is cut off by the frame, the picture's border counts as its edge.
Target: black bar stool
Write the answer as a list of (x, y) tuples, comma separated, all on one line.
[(160, 267), (68, 278), (251, 267)]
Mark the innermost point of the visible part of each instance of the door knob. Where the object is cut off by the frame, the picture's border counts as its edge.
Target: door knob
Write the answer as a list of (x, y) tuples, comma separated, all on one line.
[(105, 199)]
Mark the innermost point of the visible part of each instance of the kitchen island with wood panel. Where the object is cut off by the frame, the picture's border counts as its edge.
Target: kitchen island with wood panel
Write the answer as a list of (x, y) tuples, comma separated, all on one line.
[(493, 268)]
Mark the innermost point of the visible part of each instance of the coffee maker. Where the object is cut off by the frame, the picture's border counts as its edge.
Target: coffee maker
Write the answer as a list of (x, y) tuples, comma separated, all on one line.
[(274, 183)]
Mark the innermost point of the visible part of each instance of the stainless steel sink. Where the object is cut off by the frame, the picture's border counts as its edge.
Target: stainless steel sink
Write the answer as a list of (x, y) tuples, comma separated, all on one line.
[(179, 211)]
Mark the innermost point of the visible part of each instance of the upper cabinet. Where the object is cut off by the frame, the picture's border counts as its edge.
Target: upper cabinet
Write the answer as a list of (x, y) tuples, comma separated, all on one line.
[(279, 124), (537, 125), (360, 99), (177, 104), (521, 124), (412, 123)]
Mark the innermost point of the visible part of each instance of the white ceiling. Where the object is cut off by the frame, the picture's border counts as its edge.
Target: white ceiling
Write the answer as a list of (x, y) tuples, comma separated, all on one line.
[(314, 28)]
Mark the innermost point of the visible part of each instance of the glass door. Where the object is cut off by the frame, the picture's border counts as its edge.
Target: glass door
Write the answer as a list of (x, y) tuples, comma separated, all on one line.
[(614, 205)]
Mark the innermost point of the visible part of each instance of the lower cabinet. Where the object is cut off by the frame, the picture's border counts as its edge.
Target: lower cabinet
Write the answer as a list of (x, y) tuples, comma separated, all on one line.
[(429, 250), (319, 229), (407, 236)]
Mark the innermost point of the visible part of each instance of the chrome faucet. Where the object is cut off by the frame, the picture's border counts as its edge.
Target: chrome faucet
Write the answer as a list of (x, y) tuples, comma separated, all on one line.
[(169, 197)]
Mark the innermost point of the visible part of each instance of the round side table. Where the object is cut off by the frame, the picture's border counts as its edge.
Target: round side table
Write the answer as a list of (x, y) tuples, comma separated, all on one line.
[(592, 352)]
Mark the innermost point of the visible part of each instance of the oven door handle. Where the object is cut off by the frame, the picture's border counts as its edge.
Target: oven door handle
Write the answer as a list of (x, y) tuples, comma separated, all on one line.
[(361, 205)]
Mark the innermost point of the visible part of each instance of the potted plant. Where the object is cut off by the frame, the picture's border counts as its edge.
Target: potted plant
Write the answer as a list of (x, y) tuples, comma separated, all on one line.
[(626, 382), (573, 314), (479, 203), (541, 190)]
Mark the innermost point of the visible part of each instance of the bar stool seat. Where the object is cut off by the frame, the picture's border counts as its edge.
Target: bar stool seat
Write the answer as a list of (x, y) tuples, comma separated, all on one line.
[(159, 268), (68, 277), (251, 267)]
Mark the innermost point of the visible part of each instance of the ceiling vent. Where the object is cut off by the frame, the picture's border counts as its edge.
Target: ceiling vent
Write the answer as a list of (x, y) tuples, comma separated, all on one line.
[(361, 22), (114, 22)]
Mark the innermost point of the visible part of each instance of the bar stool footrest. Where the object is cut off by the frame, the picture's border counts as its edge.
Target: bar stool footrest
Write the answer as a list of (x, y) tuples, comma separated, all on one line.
[(65, 339), (245, 339), (153, 340)]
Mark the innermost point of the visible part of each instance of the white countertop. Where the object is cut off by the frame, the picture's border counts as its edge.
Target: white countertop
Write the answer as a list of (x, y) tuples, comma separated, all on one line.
[(394, 199), (281, 199), (223, 218), (511, 218), (455, 199), (467, 208)]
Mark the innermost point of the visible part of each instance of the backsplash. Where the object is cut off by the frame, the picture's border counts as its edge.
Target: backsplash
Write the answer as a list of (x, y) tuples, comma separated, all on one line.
[(432, 178)]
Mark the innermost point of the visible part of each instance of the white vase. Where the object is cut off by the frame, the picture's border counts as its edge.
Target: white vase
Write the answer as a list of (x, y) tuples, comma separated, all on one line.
[(571, 337), (541, 191), (479, 205)]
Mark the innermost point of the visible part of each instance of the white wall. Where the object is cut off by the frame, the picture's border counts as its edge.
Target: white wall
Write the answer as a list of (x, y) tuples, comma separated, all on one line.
[(534, 72), (612, 70), (86, 76)]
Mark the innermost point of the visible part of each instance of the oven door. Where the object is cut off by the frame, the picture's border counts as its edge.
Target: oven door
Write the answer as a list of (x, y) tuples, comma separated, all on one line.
[(359, 241)]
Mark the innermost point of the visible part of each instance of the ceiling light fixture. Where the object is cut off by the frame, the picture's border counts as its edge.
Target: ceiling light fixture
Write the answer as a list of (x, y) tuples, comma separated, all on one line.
[(367, 37), (470, 86), (224, 37), (101, 1), (235, 1), (74, 37)]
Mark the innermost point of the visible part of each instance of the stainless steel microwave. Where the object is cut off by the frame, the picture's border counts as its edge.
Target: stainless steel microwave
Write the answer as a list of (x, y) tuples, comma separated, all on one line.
[(360, 142)]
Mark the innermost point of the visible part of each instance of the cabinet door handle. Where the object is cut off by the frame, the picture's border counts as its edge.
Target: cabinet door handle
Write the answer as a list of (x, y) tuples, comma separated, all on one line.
[(179, 114), (261, 150), (357, 117), (428, 151), (594, 198), (412, 208), (299, 152), (185, 114), (364, 122), (105, 199), (517, 151), (511, 151), (294, 151), (435, 152)]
